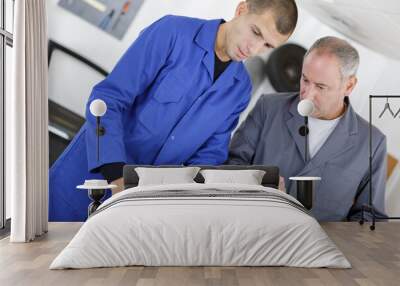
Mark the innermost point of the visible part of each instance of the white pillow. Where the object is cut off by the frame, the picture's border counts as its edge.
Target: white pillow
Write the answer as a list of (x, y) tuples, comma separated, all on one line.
[(248, 177), (164, 176)]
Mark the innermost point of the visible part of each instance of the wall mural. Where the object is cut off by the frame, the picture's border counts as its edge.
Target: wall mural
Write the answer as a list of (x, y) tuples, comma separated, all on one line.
[(112, 16)]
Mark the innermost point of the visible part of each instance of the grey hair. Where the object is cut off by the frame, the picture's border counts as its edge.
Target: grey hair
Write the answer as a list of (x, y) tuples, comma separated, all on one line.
[(346, 54)]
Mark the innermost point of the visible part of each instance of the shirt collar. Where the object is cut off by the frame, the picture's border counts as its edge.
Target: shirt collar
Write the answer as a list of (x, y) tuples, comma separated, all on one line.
[(207, 35), (205, 39)]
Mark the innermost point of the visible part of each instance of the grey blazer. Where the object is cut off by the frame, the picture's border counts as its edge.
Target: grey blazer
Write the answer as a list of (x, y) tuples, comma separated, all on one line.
[(270, 136)]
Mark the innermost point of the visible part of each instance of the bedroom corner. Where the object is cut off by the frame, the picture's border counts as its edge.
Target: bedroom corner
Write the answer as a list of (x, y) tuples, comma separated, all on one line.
[(199, 142)]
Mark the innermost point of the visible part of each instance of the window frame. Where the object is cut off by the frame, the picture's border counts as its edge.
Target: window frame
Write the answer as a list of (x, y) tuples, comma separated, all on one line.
[(6, 39)]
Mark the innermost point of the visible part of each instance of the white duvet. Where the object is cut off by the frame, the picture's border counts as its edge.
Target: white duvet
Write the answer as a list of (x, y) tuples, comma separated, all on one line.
[(207, 230)]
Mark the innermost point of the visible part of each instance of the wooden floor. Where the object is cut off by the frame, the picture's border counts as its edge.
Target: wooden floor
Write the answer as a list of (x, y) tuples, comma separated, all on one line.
[(374, 255)]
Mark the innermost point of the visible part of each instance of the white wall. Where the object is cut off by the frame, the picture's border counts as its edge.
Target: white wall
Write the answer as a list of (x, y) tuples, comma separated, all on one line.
[(67, 85), (377, 75)]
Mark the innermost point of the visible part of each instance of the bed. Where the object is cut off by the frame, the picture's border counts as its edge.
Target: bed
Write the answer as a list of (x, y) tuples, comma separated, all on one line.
[(201, 224)]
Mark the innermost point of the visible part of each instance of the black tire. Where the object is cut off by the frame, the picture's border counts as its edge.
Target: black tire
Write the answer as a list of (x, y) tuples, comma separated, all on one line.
[(255, 67), (284, 67)]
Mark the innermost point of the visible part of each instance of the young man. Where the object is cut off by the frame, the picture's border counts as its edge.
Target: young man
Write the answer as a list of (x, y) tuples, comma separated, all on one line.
[(338, 137), (173, 98)]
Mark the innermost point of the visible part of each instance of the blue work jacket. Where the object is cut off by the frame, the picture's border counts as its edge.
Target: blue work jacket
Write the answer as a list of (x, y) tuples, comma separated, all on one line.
[(163, 108)]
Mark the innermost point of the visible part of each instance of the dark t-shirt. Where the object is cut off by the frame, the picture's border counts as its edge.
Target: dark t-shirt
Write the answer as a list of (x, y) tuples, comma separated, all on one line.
[(219, 67)]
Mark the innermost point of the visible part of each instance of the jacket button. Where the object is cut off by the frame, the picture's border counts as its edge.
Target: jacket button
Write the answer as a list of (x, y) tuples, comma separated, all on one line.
[(172, 137)]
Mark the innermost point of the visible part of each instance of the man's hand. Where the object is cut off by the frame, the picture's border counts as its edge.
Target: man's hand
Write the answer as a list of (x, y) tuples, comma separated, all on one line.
[(120, 183), (281, 185)]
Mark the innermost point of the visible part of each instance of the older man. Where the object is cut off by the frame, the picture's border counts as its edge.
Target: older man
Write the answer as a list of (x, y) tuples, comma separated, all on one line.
[(338, 136)]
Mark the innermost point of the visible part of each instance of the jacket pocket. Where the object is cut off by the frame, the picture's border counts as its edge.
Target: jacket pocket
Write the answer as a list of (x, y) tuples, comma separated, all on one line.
[(165, 104), (171, 89)]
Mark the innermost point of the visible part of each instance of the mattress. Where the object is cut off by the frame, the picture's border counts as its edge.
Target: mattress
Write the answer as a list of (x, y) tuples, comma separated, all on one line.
[(201, 225)]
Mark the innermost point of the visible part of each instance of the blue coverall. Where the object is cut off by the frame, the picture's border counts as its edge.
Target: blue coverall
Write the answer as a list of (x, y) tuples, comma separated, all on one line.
[(163, 108)]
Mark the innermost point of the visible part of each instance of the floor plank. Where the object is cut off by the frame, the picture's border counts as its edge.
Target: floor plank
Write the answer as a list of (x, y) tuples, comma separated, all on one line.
[(374, 255)]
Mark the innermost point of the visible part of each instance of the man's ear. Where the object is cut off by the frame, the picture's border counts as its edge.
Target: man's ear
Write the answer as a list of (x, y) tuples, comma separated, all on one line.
[(350, 85), (241, 9)]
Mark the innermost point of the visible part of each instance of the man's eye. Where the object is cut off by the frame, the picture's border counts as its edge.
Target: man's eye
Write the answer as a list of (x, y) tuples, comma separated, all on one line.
[(320, 87), (256, 33)]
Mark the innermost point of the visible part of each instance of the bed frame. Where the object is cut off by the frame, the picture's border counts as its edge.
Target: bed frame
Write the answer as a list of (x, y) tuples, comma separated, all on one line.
[(270, 179)]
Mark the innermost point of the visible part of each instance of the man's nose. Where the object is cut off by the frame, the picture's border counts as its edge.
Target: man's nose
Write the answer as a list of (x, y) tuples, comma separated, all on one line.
[(307, 93)]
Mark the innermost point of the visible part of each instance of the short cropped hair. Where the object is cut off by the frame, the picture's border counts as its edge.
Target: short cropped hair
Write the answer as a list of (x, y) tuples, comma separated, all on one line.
[(347, 55), (285, 12)]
